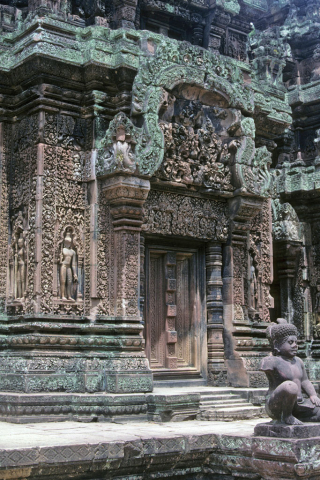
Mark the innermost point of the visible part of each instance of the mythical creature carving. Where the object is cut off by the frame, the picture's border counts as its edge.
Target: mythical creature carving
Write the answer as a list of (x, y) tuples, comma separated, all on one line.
[(171, 214), (250, 169), (285, 221), (117, 152), (268, 51)]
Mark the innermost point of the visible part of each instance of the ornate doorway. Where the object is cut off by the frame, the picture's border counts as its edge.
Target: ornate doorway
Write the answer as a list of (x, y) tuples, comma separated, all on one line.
[(175, 312)]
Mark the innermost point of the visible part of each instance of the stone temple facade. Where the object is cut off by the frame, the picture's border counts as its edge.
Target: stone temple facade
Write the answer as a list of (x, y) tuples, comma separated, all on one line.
[(159, 196)]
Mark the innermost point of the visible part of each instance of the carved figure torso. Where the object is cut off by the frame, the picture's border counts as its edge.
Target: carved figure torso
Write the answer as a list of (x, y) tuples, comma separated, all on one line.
[(279, 370), (67, 256)]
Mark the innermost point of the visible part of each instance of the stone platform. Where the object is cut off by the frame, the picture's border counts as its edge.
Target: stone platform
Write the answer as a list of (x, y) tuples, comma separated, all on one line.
[(141, 451), (163, 404)]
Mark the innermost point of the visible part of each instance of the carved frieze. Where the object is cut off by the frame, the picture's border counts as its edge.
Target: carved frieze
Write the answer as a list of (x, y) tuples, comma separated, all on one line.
[(171, 214)]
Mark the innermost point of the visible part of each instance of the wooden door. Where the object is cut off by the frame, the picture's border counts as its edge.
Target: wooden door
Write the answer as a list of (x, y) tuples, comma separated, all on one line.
[(175, 313)]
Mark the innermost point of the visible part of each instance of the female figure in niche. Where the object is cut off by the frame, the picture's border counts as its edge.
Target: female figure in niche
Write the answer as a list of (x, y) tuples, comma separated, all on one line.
[(68, 274), (288, 379), (20, 265)]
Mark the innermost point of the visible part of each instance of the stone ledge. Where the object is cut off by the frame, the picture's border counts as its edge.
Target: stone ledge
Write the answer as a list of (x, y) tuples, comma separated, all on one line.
[(308, 430)]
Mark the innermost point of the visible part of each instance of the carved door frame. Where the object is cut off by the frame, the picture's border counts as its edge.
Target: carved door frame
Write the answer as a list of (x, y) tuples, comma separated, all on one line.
[(196, 253)]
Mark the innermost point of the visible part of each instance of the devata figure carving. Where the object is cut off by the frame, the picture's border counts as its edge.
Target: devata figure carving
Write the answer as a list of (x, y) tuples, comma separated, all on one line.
[(20, 269), (68, 274), (288, 379)]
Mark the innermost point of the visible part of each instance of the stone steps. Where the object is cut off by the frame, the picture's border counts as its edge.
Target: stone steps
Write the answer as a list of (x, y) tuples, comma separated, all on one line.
[(227, 407), (222, 403), (232, 414)]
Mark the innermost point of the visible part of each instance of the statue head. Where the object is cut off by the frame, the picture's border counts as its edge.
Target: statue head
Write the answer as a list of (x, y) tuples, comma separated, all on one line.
[(20, 242), (68, 238), (278, 334)]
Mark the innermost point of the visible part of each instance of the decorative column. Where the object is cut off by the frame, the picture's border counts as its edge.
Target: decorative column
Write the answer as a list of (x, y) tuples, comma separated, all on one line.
[(214, 309)]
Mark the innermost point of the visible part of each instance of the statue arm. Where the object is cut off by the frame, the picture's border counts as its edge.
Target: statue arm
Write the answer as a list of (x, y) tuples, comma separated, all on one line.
[(73, 266), (267, 364)]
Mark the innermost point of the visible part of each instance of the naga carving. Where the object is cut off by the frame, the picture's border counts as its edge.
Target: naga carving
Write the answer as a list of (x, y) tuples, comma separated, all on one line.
[(117, 152), (250, 168)]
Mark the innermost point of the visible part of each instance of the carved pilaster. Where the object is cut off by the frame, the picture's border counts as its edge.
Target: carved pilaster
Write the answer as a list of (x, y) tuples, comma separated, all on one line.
[(214, 307), (126, 196)]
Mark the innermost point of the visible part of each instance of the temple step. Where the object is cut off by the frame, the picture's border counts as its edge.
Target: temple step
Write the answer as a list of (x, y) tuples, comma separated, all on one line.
[(229, 414), (226, 407)]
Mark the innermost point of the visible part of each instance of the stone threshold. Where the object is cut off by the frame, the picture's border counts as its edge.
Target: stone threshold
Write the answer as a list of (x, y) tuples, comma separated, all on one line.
[(141, 451)]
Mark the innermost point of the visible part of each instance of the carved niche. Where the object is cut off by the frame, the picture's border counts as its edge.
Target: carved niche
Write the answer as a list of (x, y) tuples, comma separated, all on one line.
[(68, 279)]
